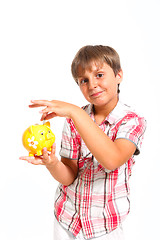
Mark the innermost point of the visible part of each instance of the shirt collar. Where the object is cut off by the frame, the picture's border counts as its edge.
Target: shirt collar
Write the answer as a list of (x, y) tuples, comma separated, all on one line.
[(117, 113)]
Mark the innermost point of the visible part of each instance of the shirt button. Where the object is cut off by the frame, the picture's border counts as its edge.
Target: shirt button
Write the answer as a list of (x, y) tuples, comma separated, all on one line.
[(73, 135), (84, 200), (85, 184)]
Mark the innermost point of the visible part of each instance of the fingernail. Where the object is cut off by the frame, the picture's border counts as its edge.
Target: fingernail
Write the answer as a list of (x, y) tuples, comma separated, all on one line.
[(44, 149)]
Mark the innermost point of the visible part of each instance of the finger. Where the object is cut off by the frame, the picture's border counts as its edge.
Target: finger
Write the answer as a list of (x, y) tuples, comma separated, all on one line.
[(46, 116), (26, 158), (45, 158), (37, 161), (53, 149), (35, 105), (41, 102), (43, 116), (32, 160), (46, 110)]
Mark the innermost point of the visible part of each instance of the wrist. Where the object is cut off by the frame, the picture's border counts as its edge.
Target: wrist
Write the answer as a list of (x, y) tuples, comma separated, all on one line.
[(53, 164), (75, 113)]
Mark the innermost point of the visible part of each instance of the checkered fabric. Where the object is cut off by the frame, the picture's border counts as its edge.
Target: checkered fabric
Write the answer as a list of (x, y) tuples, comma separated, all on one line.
[(98, 200)]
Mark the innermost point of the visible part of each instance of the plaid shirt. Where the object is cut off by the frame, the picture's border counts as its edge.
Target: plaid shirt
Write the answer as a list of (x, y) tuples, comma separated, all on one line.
[(98, 200)]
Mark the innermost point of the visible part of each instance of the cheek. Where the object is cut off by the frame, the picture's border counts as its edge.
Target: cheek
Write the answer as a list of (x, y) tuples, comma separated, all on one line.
[(107, 85), (111, 87), (84, 91), (114, 88)]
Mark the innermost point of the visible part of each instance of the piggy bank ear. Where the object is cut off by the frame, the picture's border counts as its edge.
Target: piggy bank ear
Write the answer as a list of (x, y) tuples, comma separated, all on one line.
[(47, 124), (30, 129)]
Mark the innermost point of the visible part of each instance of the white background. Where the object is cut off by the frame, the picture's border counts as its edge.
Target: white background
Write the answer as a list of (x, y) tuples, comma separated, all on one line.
[(38, 40)]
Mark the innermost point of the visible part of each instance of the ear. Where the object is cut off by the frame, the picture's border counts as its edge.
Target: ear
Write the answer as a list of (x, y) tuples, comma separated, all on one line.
[(47, 124), (30, 129), (119, 76)]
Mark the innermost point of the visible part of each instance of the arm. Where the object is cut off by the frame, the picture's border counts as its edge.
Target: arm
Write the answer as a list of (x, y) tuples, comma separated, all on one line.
[(64, 171), (108, 153)]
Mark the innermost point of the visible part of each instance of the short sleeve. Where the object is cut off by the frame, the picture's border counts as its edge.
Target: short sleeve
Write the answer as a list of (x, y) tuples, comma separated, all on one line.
[(133, 129), (70, 143)]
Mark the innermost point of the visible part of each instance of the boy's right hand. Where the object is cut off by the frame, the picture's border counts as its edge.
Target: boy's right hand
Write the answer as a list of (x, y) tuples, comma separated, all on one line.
[(46, 159), (63, 171)]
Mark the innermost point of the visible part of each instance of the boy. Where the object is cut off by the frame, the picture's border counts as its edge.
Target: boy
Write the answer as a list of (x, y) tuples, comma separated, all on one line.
[(99, 142)]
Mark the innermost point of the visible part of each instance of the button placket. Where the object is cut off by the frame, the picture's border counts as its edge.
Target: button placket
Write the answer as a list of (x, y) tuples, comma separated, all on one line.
[(83, 209)]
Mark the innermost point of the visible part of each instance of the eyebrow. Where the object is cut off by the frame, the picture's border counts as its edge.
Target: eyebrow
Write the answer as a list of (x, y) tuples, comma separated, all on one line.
[(98, 69)]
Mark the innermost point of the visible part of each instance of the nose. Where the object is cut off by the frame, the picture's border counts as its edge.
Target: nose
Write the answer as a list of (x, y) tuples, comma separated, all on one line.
[(92, 83), (50, 136)]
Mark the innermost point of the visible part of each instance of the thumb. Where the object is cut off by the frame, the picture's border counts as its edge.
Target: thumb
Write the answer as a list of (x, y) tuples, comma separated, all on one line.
[(53, 149), (45, 158)]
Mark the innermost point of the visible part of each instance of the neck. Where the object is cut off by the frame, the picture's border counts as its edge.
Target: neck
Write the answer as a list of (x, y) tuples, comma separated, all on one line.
[(101, 112)]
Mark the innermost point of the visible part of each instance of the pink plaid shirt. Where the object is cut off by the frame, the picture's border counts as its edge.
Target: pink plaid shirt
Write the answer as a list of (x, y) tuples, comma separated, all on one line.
[(98, 200)]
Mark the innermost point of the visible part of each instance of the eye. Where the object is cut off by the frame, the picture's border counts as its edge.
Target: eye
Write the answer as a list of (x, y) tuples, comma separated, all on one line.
[(83, 81), (49, 131), (100, 75), (41, 133)]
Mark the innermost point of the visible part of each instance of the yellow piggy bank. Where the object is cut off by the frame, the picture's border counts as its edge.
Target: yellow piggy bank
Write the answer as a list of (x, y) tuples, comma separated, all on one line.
[(36, 137)]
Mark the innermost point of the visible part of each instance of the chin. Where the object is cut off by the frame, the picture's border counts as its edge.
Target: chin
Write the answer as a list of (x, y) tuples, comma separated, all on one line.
[(99, 103)]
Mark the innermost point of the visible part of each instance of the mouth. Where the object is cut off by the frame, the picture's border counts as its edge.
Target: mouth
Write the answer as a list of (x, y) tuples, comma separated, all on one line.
[(50, 139), (96, 94)]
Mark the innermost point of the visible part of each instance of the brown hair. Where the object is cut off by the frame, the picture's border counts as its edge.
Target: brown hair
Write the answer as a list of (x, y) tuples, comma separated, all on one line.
[(98, 53)]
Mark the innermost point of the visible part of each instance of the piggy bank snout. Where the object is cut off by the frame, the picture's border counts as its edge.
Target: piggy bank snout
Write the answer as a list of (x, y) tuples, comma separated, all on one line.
[(49, 136)]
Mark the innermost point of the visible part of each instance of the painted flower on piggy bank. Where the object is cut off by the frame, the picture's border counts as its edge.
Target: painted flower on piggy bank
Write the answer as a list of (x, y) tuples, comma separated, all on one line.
[(36, 137)]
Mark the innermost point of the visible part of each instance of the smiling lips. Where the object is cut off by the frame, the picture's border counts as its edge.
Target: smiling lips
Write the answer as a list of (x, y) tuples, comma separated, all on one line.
[(96, 94)]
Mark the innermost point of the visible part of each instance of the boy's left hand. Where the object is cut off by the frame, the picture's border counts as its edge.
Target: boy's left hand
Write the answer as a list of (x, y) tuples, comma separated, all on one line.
[(53, 108)]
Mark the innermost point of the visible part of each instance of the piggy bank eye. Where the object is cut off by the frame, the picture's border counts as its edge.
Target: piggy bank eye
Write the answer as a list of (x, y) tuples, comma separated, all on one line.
[(49, 131), (41, 133)]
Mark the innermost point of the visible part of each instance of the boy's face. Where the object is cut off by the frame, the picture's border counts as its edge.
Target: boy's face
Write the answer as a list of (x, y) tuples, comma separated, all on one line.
[(99, 84)]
